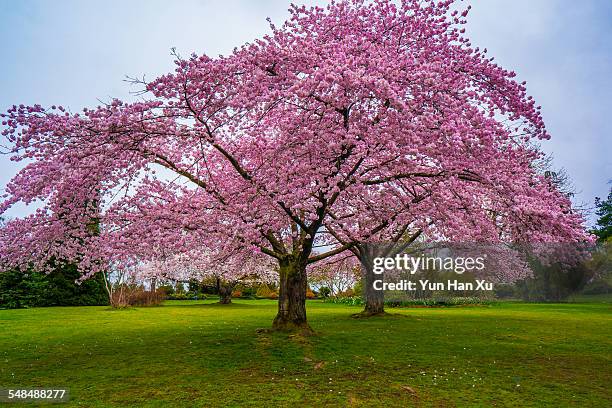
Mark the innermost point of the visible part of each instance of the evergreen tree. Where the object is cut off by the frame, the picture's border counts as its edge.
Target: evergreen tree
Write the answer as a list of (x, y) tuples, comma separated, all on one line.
[(603, 230)]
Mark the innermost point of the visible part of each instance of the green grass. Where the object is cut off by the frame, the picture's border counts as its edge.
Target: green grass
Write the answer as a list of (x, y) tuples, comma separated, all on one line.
[(602, 298), (200, 354)]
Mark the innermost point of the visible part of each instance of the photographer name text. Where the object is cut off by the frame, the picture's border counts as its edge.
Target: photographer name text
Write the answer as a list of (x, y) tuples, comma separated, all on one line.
[(425, 284)]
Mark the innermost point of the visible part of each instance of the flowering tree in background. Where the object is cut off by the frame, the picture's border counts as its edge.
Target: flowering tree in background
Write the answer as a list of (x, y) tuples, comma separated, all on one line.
[(359, 119), (469, 209), (228, 270), (338, 273)]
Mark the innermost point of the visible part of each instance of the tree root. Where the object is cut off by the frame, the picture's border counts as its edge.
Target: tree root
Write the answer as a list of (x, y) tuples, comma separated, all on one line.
[(300, 329), (367, 314)]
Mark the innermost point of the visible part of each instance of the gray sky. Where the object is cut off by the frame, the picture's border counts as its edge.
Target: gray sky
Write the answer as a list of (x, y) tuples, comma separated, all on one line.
[(73, 52)]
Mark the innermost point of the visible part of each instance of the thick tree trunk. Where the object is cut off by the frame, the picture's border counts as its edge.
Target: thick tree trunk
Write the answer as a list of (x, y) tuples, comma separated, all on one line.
[(225, 293), (292, 297), (374, 299)]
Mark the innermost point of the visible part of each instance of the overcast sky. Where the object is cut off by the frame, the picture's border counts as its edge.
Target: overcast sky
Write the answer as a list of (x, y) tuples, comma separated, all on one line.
[(73, 53)]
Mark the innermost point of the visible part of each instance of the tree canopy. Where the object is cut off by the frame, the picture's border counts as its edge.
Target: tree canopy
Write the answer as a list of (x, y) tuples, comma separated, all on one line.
[(348, 123)]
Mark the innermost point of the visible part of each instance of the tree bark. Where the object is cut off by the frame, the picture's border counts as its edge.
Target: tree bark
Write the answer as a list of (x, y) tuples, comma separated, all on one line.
[(374, 299), (291, 314), (225, 293)]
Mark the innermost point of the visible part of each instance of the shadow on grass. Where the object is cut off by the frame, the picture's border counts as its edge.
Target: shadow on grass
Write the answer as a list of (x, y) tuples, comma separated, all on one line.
[(218, 305), (121, 309), (193, 305), (379, 316)]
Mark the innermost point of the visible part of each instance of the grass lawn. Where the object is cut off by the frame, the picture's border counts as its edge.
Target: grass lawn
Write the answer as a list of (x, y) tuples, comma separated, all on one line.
[(201, 354)]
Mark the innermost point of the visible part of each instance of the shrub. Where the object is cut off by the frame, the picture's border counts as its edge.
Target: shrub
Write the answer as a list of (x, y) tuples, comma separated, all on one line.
[(451, 301), (129, 295), (359, 288), (264, 291), (248, 291), (553, 282), (504, 291), (324, 291), (167, 289), (455, 301), (597, 287), (347, 300), (209, 285), (177, 296), (310, 294), (194, 286), (186, 296), (195, 295), (141, 297), (236, 294), (347, 293)]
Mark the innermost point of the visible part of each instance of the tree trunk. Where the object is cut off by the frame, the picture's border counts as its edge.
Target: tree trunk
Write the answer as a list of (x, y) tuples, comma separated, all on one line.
[(374, 299), (225, 293), (292, 297)]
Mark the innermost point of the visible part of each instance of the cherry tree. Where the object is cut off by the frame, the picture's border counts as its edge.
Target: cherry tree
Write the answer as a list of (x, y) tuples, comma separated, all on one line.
[(227, 269), (366, 118), (338, 273), (469, 209)]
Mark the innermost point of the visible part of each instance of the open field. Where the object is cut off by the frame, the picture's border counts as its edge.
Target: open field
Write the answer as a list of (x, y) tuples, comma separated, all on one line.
[(201, 354)]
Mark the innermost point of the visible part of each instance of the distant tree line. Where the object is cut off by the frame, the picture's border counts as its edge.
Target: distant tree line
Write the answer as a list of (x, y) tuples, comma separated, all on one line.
[(556, 282), (58, 288)]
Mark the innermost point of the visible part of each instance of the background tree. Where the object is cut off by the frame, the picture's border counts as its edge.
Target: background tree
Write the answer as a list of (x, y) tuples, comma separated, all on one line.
[(603, 210), (60, 287), (336, 274), (226, 269)]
